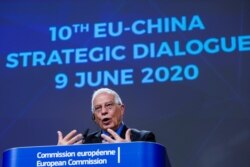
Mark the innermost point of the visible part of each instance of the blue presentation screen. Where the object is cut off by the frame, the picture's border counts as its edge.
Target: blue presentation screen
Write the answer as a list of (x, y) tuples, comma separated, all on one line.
[(181, 68)]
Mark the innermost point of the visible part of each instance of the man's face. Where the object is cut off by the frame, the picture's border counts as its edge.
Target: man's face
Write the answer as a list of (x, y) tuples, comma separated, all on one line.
[(108, 114)]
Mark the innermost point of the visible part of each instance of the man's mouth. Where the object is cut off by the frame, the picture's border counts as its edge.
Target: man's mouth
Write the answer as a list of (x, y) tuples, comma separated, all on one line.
[(106, 121)]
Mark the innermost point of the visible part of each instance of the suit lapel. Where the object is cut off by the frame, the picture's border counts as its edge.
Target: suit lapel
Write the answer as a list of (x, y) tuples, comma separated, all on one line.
[(124, 130), (97, 138)]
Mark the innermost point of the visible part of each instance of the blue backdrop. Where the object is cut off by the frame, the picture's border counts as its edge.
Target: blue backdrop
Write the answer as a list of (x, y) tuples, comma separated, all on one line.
[(181, 68)]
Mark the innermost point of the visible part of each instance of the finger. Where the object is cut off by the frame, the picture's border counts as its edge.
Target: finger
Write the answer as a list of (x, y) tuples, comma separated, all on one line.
[(128, 135), (60, 137), (75, 139), (107, 138), (70, 135), (114, 134), (79, 142)]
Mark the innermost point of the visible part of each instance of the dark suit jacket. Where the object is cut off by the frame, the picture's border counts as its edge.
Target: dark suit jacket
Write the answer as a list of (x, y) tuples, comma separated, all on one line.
[(136, 135)]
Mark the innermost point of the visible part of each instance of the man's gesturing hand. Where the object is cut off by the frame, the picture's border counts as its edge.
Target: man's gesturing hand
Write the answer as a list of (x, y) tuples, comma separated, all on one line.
[(71, 138), (116, 138)]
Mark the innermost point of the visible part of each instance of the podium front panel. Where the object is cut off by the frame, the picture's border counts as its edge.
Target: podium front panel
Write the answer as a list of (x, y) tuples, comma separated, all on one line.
[(134, 154)]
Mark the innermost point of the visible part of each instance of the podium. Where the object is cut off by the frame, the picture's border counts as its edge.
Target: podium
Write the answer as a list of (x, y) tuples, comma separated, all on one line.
[(134, 154)]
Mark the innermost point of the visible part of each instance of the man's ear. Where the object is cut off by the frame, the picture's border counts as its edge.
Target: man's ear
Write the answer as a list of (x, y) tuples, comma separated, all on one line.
[(123, 108), (93, 117)]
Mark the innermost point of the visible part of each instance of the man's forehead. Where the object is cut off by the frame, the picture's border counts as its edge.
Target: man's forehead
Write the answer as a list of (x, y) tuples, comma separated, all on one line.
[(103, 98)]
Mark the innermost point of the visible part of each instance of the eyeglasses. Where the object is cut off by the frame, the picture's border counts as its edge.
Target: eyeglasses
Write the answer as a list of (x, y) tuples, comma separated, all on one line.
[(107, 106)]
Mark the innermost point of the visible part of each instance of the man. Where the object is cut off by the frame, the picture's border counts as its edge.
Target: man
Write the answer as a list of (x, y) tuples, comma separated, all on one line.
[(108, 111)]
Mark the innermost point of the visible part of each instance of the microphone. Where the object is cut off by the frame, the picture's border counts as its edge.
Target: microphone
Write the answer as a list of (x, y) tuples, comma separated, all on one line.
[(85, 134)]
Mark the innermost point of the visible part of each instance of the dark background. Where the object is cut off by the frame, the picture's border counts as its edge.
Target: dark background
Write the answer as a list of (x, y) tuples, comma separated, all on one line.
[(202, 123)]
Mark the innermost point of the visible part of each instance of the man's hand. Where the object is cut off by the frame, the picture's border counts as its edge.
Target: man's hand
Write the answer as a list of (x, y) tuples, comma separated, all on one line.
[(71, 138), (116, 138)]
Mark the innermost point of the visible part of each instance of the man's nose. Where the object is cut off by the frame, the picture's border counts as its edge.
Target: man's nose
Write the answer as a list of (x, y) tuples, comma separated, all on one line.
[(104, 110)]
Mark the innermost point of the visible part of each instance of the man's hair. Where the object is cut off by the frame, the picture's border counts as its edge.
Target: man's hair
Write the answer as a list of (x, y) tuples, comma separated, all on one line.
[(118, 100)]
